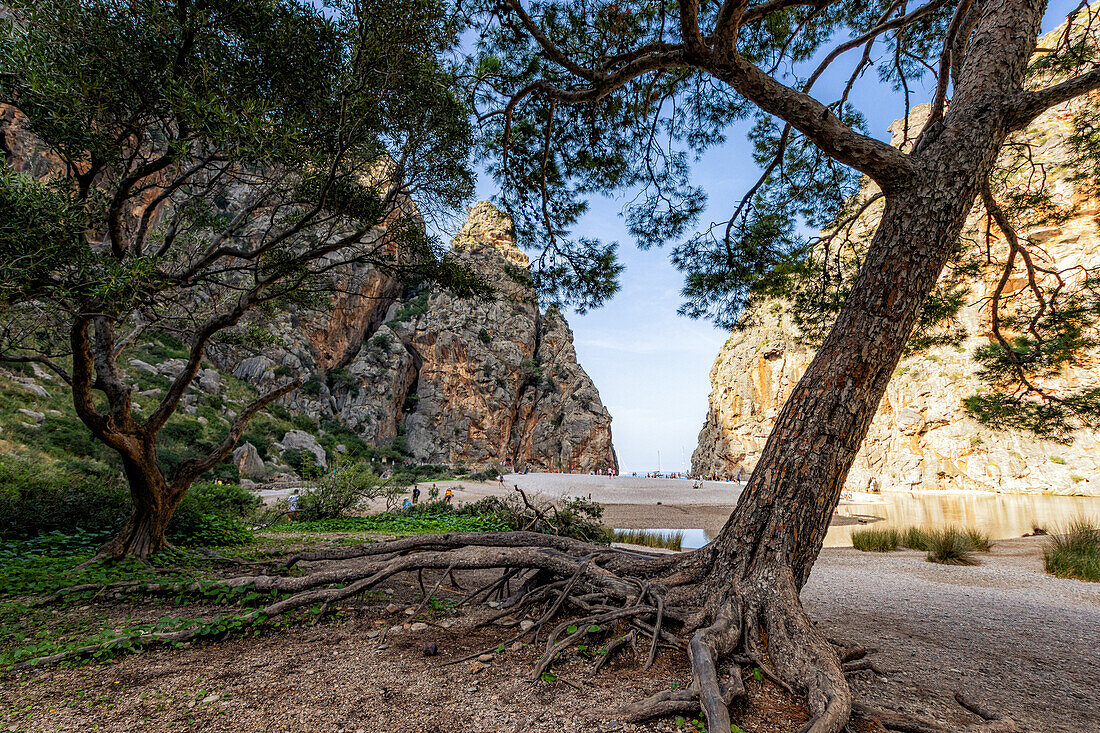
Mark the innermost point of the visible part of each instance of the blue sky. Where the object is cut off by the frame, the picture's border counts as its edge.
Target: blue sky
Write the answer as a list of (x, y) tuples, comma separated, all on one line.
[(650, 365)]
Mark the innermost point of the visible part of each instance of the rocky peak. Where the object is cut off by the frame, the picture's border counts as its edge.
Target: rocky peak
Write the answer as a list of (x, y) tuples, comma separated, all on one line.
[(486, 225)]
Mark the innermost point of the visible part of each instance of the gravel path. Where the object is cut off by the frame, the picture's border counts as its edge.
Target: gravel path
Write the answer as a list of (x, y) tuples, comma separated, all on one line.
[(1005, 632)]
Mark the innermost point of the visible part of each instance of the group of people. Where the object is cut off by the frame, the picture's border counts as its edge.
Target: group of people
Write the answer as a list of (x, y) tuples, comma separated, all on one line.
[(448, 495)]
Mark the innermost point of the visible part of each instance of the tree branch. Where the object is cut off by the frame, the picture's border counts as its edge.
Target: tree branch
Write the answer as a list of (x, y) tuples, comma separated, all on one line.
[(1029, 105), (187, 471), (44, 360)]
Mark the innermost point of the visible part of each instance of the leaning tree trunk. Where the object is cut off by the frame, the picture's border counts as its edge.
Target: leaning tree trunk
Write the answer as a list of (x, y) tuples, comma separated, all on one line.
[(758, 564)]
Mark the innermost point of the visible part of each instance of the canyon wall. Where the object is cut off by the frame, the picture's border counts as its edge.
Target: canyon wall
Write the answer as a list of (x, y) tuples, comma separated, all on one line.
[(461, 381), (922, 437)]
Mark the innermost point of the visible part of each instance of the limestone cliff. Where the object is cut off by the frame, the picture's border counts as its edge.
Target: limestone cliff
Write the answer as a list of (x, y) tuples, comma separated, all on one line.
[(921, 437), (464, 381)]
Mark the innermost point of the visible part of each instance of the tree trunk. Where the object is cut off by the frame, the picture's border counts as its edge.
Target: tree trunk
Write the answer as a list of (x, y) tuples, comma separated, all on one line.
[(756, 567), (154, 503)]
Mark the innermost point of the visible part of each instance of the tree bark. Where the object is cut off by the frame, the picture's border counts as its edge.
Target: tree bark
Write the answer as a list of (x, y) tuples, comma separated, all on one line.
[(155, 501)]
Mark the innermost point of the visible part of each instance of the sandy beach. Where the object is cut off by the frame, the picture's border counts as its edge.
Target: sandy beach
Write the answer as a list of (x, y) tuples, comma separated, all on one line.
[(627, 501)]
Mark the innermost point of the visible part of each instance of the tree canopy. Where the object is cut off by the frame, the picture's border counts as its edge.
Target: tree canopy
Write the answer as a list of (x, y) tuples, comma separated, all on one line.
[(591, 98), (176, 165)]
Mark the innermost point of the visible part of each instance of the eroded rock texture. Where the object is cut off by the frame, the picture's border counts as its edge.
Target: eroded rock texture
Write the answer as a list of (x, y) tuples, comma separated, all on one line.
[(465, 381), (922, 437)]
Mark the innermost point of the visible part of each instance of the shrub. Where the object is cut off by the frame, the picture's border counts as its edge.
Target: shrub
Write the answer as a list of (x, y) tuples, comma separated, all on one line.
[(979, 540), (1075, 552), (65, 434), (311, 387), (304, 423), (41, 496), (228, 500), (876, 539), (303, 462), (1058, 459), (339, 492), (38, 497), (950, 546), (485, 474), (914, 538)]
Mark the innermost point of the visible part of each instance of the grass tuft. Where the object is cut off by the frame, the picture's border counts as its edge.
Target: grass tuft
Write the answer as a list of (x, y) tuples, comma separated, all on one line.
[(914, 538), (876, 539), (649, 538), (979, 540), (950, 546), (1075, 552)]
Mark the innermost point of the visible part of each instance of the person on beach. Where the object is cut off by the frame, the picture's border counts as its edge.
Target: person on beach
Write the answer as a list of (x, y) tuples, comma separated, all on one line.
[(448, 495), (292, 502), (416, 494)]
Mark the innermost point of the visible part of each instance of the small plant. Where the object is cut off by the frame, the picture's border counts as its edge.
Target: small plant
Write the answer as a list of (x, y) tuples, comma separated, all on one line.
[(340, 491), (484, 336), (979, 540), (1075, 552), (876, 539), (950, 546), (1075, 478), (1058, 459), (914, 538)]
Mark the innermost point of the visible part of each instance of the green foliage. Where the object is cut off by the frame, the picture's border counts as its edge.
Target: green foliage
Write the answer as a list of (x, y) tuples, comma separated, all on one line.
[(304, 422), (411, 309), (340, 491), (228, 500), (41, 496), (1074, 552), (948, 546), (303, 462), (311, 387), (396, 523), (876, 539)]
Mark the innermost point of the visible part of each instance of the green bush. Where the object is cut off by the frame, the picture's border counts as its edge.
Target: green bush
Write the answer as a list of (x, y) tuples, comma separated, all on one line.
[(228, 500), (41, 496), (979, 540), (211, 515), (914, 538), (1075, 552), (304, 422), (303, 462), (67, 435), (340, 492)]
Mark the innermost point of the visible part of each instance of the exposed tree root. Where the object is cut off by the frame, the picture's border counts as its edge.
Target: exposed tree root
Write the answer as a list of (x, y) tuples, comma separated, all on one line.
[(577, 592)]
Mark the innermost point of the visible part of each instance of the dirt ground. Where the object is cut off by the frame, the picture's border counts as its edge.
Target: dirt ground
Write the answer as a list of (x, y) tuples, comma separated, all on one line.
[(1011, 637)]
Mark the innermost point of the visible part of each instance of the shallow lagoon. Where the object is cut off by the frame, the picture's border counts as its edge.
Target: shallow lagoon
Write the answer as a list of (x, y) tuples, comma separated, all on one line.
[(1000, 515)]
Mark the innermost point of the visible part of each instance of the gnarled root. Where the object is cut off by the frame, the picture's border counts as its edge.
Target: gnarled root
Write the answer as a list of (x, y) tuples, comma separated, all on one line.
[(762, 618), (654, 601)]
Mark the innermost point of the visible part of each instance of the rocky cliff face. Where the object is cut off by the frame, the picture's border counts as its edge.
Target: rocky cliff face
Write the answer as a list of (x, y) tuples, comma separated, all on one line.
[(921, 438), (463, 381)]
